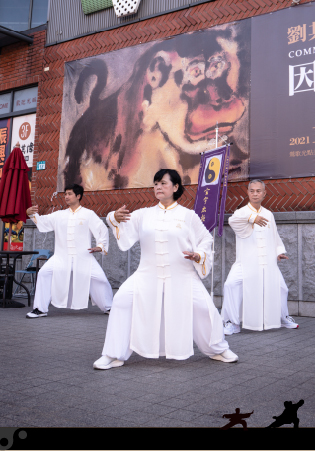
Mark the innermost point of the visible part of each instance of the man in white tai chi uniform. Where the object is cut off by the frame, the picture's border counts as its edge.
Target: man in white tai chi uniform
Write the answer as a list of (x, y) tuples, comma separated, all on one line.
[(255, 277), (72, 273)]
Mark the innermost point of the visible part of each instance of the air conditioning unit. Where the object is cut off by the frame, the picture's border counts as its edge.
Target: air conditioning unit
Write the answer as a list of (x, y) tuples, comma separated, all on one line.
[(125, 7)]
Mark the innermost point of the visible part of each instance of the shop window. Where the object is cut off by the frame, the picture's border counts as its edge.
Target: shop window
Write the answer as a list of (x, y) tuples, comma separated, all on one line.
[(39, 14), (25, 99), (5, 103)]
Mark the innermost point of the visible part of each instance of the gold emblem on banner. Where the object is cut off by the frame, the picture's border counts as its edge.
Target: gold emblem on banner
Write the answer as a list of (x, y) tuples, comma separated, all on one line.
[(212, 170)]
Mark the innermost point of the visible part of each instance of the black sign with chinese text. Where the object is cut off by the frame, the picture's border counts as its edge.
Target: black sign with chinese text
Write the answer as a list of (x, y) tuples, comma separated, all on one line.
[(282, 116)]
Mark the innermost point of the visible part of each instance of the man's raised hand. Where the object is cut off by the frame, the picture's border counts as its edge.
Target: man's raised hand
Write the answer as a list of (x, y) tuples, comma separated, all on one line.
[(32, 210), (261, 221), (122, 214)]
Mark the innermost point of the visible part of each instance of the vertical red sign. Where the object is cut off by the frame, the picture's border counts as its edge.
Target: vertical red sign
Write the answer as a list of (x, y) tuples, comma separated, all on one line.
[(4, 141)]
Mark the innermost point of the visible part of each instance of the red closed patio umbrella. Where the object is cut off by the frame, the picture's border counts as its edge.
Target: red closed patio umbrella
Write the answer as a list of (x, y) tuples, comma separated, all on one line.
[(15, 196)]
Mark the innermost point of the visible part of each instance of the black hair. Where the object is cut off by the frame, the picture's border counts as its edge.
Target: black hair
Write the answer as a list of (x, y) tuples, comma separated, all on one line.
[(175, 179), (77, 189)]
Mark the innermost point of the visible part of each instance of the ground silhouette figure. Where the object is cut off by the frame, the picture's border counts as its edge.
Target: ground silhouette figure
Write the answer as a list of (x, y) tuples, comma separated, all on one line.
[(236, 418), (288, 416)]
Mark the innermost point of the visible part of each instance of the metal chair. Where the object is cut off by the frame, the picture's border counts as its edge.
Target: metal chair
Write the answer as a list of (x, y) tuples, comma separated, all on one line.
[(8, 293), (43, 254)]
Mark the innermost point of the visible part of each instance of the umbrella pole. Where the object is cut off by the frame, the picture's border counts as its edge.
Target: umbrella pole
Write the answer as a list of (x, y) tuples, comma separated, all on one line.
[(9, 237)]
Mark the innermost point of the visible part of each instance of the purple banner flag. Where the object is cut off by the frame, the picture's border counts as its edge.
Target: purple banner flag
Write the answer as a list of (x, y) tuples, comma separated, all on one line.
[(213, 165)]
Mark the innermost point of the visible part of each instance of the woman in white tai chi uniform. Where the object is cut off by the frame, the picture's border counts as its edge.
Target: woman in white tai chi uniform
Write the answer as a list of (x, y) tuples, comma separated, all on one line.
[(163, 307)]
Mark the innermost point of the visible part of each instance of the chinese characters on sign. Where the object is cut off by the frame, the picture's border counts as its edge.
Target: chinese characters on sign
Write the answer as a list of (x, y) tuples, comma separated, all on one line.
[(302, 153), (27, 102), (299, 33), (27, 149), (204, 208), (24, 133), (3, 143), (301, 78)]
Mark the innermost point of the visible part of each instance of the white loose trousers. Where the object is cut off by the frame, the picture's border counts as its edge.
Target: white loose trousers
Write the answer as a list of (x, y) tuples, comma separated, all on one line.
[(73, 234), (100, 289), (117, 340), (233, 296)]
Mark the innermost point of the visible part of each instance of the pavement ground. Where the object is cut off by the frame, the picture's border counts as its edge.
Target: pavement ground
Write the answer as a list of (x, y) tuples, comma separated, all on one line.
[(47, 378)]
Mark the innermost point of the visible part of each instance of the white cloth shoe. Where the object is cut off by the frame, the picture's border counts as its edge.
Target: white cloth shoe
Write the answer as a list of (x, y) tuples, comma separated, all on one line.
[(289, 323), (226, 356), (105, 363), (231, 328), (35, 314)]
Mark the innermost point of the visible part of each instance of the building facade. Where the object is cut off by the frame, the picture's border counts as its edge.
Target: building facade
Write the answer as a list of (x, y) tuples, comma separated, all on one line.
[(72, 41)]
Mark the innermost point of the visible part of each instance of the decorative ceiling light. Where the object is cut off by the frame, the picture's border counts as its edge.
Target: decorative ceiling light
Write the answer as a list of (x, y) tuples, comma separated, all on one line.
[(125, 7)]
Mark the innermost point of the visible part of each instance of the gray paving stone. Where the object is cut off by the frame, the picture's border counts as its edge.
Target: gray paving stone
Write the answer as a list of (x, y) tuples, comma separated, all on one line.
[(183, 415), (96, 406), (162, 422), (12, 423), (139, 418), (159, 409), (48, 380), (207, 421), (154, 398), (109, 422), (118, 411), (178, 402)]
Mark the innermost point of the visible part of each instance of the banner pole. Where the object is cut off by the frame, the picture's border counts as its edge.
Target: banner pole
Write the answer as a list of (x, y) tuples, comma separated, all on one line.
[(212, 264)]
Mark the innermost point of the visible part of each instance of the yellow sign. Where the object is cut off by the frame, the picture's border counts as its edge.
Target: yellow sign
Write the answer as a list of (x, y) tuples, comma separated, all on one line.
[(213, 170)]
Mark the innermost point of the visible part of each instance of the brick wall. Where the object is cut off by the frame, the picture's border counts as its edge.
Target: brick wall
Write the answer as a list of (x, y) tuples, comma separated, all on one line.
[(283, 195), (21, 64)]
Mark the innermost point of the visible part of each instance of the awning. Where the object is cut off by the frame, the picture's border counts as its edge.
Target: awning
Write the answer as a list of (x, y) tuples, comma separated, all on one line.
[(8, 36)]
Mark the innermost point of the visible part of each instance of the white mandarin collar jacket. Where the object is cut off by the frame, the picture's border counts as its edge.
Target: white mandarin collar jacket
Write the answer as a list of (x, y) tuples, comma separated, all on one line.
[(84, 223), (164, 276), (257, 249)]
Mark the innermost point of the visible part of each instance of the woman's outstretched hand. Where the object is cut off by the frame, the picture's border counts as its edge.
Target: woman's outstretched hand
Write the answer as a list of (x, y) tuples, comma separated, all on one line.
[(192, 256), (122, 214), (95, 249)]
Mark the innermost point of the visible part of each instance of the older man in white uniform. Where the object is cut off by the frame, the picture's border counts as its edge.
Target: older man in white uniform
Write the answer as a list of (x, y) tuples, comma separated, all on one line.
[(72, 273), (255, 289)]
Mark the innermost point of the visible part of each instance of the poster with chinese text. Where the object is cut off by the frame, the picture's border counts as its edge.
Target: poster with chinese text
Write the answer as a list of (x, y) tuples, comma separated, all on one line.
[(282, 119), (23, 131)]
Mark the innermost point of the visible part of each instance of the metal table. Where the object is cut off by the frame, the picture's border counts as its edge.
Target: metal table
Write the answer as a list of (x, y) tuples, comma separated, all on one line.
[(9, 303)]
